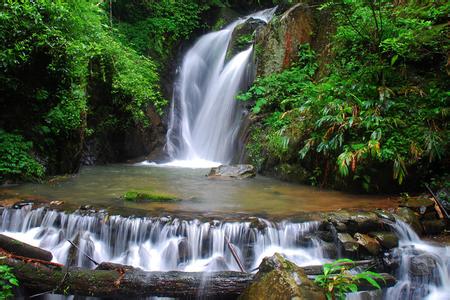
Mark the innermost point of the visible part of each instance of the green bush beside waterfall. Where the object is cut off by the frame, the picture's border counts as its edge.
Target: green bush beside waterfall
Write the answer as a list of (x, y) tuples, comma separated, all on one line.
[(375, 115)]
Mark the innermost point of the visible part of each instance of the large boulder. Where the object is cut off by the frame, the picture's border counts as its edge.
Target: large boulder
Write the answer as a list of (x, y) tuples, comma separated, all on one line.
[(277, 44), (233, 171), (281, 279)]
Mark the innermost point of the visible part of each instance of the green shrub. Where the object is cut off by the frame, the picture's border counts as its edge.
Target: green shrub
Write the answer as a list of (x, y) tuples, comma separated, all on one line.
[(381, 104), (16, 162), (7, 282), (337, 281)]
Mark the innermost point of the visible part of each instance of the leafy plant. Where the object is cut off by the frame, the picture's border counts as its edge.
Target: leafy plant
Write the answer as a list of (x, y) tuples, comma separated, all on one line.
[(15, 159), (375, 108), (337, 280), (7, 282)]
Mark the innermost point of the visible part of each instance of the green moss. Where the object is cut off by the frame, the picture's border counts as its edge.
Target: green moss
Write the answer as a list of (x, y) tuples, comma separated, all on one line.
[(136, 196)]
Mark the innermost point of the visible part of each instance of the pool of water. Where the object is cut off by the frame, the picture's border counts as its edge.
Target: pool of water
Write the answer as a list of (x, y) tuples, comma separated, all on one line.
[(103, 186)]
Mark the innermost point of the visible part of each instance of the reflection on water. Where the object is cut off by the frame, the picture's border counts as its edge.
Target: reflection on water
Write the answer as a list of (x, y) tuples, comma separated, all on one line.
[(102, 186)]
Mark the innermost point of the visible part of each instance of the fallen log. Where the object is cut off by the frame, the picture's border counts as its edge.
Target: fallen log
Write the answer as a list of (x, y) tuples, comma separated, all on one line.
[(112, 280), (22, 249)]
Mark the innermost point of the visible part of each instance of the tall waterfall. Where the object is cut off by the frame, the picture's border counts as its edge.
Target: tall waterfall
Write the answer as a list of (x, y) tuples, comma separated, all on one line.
[(205, 116)]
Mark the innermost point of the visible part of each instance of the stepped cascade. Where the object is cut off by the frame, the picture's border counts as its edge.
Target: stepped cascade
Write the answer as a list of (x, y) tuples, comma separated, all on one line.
[(205, 117), (165, 244)]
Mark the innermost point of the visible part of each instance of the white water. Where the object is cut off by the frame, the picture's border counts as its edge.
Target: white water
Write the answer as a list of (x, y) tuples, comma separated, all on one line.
[(164, 244), (159, 244), (205, 116), (415, 256), (435, 284)]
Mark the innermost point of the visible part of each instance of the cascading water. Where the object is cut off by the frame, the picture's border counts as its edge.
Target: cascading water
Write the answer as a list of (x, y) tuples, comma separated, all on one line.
[(424, 270), (205, 116), (159, 244), (163, 244)]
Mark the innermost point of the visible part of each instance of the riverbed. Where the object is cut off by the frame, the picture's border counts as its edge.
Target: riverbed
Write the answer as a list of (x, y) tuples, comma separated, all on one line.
[(104, 186)]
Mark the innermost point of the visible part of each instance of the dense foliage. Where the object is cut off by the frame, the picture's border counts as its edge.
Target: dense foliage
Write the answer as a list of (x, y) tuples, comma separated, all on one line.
[(56, 57), (337, 280), (7, 282), (382, 107)]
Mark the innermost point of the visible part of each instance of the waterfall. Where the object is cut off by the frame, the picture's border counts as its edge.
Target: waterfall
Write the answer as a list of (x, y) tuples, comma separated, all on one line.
[(165, 244), (205, 116), (160, 244), (424, 269)]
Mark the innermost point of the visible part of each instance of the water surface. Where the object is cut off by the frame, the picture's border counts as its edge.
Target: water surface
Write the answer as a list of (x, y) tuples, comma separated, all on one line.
[(103, 186)]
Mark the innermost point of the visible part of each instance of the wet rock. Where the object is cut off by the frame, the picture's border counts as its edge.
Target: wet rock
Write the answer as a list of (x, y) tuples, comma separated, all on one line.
[(329, 249), (242, 36), (257, 223), (86, 207), (305, 241), (364, 222), (370, 244), (345, 221), (341, 227), (184, 251), (278, 278), (418, 204), (383, 214), (326, 236), (233, 171), (277, 44), (433, 226), (388, 240), (409, 217), (422, 265), (348, 242)]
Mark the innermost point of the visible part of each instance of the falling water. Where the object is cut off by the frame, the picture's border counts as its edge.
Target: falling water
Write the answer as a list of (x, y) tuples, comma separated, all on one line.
[(424, 270), (205, 116), (160, 244)]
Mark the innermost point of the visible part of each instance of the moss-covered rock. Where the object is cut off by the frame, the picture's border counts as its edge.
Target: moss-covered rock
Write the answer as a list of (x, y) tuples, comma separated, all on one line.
[(149, 196), (242, 36), (277, 44), (387, 240), (281, 279)]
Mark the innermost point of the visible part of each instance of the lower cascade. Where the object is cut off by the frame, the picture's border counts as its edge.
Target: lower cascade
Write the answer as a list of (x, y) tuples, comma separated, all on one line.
[(165, 244)]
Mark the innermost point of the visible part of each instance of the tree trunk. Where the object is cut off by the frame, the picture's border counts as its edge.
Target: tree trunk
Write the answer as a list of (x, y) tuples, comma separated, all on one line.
[(118, 281), (18, 248)]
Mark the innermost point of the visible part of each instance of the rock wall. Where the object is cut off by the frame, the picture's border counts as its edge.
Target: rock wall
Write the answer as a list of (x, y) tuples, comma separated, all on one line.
[(277, 44)]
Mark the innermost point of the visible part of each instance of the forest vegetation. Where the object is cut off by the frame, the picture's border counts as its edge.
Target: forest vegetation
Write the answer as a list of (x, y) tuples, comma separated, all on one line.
[(372, 114)]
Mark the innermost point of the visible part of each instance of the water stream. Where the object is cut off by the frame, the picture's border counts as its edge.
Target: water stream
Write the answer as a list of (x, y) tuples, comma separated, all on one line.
[(205, 116), (164, 244)]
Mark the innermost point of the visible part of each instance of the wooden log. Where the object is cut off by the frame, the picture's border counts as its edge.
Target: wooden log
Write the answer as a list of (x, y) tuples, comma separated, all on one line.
[(112, 280), (22, 249)]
